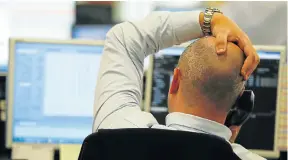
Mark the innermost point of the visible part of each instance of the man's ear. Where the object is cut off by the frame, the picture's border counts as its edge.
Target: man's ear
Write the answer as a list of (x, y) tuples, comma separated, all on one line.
[(175, 81)]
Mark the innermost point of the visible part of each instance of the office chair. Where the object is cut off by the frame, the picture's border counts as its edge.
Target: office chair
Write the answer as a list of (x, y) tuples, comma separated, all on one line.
[(154, 144)]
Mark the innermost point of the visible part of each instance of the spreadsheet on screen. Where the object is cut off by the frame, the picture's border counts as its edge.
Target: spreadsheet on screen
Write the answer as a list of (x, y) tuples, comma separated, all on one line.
[(54, 86)]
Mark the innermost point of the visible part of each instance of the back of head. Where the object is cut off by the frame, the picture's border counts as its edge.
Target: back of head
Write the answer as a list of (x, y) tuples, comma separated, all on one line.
[(210, 77)]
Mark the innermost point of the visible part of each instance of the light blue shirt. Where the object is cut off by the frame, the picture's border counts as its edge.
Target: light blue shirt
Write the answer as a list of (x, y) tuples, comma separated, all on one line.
[(119, 85)]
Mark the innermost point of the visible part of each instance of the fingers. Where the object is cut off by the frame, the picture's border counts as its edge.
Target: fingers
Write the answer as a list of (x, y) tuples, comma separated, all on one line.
[(252, 58), (235, 131), (221, 42), (250, 65), (255, 60)]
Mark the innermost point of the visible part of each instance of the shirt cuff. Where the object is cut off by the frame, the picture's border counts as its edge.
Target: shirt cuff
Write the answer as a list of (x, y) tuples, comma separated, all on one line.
[(186, 26)]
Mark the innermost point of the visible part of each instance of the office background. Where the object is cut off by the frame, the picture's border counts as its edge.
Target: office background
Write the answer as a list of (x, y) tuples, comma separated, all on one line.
[(38, 38)]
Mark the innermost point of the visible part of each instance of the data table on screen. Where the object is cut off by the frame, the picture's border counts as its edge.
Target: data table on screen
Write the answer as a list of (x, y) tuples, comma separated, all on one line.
[(70, 87), (164, 63), (54, 86), (264, 83)]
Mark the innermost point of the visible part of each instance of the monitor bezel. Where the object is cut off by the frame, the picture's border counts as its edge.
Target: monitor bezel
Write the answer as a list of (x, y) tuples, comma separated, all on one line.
[(10, 87), (3, 74), (275, 153), (282, 69)]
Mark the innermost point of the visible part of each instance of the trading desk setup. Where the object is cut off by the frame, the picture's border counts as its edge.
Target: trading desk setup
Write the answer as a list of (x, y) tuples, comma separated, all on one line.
[(51, 86)]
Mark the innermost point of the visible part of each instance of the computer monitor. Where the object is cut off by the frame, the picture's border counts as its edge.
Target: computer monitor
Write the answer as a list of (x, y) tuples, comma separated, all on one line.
[(259, 133), (98, 32), (159, 76), (172, 9), (178, 6), (90, 32), (4, 57), (51, 91)]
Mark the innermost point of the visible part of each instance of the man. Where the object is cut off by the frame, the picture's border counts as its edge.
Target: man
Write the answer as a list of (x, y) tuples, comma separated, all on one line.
[(118, 92)]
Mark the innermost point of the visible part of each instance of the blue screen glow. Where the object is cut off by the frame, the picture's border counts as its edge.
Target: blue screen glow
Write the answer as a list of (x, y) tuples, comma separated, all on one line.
[(4, 67), (177, 51), (96, 32), (4, 54), (54, 92)]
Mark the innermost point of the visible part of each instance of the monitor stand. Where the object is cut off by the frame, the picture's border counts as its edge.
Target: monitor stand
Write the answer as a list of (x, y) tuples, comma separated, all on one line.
[(69, 151), (32, 152)]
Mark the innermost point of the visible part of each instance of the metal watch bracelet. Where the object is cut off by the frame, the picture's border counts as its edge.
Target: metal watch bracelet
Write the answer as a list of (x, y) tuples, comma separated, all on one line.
[(208, 14)]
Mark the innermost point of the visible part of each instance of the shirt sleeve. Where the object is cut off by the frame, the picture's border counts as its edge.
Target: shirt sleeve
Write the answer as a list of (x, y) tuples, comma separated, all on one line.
[(119, 84)]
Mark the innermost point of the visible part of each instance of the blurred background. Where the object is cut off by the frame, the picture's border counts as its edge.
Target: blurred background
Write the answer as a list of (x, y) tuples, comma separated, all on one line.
[(49, 59)]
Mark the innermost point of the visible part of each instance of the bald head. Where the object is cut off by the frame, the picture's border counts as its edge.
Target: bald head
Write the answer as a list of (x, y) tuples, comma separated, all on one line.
[(207, 75)]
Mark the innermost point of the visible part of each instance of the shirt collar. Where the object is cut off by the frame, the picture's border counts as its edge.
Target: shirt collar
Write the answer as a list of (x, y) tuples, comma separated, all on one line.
[(193, 123)]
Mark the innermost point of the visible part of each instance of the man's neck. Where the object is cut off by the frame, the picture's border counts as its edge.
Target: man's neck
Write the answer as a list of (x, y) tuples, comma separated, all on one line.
[(206, 112), (198, 106)]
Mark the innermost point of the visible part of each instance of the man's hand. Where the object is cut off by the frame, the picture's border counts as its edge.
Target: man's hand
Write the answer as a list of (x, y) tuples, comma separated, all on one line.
[(235, 131), (225, 30)]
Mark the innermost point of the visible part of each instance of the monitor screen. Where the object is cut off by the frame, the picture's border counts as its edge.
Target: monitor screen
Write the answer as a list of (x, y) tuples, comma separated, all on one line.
[(52, 91), (94, 32), (4, 56), (263, 82), (164, 63), (259, 131)]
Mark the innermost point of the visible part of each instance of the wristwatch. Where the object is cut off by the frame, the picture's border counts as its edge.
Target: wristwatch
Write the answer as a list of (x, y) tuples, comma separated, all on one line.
[(208, 14)]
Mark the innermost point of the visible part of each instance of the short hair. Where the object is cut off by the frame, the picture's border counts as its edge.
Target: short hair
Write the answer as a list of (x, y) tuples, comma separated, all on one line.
[(200, 69)]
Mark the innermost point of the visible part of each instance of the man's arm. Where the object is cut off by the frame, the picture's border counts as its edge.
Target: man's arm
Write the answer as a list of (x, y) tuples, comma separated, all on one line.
[(119, 85)]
